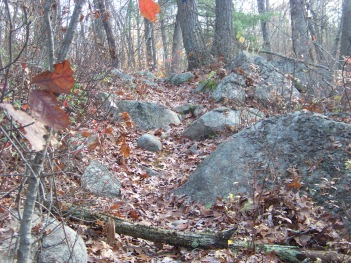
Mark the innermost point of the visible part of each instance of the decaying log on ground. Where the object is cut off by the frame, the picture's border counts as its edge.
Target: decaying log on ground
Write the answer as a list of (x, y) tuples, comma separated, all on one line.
[(171, 237), (204, 240), (293, 254)]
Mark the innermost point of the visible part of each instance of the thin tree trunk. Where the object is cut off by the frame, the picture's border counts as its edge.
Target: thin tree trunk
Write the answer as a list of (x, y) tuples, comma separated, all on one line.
[(153, 45), (110, 39), (148, 40), (139, 41), (164, 38), (47, 8), (67, 40), (25, 243), (263, 9), (34, 170), (130, 45), (176, 46)]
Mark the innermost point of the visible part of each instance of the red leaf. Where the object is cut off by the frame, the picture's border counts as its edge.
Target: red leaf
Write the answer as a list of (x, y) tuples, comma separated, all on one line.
[(125, 149), (149, 9), (59, 81), (45, 108), (295, 183), (134, 214)]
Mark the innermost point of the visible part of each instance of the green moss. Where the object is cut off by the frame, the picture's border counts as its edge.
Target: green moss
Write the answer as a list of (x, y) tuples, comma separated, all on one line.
[(194, 244), (209, 85)]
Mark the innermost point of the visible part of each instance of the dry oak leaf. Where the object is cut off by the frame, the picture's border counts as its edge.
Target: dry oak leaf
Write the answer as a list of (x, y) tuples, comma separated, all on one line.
[(149, 9), (59, 81), (35, 130), (44, 106)]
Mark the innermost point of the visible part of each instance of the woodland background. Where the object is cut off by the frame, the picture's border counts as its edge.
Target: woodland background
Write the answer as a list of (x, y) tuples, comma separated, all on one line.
[(96, 36)]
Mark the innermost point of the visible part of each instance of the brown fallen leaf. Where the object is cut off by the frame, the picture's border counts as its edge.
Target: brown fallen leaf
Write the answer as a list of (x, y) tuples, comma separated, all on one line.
[(35, 130)]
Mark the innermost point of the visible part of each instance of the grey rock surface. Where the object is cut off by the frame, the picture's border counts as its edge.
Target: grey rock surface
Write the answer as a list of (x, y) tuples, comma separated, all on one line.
[(124, 76), (265, 154), (98, 180), (178, 79), (268, 81), (219, 120), (146, 115), (150, 143), (231, 87), (62, 245)]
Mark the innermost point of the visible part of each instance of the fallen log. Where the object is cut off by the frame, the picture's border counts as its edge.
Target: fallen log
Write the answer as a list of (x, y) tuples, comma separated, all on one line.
[(189, 240), (292, 253), (219, 240)]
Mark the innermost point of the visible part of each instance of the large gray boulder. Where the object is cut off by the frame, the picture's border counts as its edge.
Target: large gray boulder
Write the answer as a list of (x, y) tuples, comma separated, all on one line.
[(220, 120), (146, 115), (267, 82), (271, 151), (98, 180)]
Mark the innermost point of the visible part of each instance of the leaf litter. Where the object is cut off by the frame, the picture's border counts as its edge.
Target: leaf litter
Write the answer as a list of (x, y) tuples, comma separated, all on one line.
[(282, 216)]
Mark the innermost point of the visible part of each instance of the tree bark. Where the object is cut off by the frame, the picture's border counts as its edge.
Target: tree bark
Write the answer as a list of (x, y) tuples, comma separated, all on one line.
[(164, 38), (292, 253), (299, 29), (263, 7), (176, 46), (110, 39), (222, 47), (67, 40), (345, 42), (172, 237), (196, 51), (149, 44), (47, 7)]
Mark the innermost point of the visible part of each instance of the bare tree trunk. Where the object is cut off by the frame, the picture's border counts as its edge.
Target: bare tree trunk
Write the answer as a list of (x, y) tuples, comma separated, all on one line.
[(300, 39), (139, 41), (110, 39), (97, 25), (47, 7), (345, 42), (130, 45), (153, 45), (164, 38), (176, 46), (316, 36), (34, 169), (222, 47), (262, 9), (67, 40), (196, 51), (148, 39)]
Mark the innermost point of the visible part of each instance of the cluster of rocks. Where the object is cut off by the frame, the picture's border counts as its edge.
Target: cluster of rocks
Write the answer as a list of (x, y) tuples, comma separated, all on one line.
[(269, 147)]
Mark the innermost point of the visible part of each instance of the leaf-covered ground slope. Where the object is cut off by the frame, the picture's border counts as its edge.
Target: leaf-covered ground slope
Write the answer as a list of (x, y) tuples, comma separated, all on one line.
[(282, 216)]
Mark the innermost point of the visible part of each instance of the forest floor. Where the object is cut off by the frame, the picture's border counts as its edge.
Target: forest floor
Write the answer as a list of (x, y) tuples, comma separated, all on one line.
[(148, 199)]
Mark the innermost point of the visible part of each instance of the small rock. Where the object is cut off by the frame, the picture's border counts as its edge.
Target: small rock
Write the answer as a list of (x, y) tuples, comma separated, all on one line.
[(98, 180), (184, 109), (178, 79), (150, 143)]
